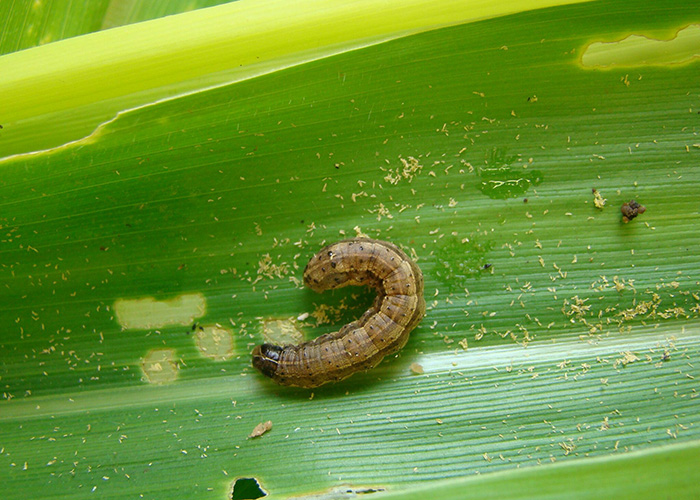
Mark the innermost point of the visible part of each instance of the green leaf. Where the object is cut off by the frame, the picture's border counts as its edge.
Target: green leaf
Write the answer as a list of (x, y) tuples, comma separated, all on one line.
[(79, 83), (28, 24), (633, 475), (142, 262)]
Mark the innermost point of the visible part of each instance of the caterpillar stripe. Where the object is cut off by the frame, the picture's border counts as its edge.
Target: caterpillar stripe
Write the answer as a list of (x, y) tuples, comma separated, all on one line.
[(360, 345)]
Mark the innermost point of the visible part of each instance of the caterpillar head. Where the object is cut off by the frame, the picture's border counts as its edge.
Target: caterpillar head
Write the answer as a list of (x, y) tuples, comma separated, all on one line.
[(266, 359)]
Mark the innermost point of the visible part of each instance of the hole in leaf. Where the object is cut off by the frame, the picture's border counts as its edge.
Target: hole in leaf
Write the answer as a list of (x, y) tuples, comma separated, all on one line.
[(246, 488)]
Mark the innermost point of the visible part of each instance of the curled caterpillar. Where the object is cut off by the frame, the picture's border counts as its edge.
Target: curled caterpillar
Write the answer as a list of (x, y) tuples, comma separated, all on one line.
[(360, 345)]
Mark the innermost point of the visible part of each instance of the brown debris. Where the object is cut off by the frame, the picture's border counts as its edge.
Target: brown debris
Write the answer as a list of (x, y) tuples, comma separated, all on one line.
[(417, 368), (630, 210), (260, 429)]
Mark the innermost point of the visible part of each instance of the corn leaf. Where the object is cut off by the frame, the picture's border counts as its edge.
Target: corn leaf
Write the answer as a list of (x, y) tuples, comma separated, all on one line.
[(160, 202)]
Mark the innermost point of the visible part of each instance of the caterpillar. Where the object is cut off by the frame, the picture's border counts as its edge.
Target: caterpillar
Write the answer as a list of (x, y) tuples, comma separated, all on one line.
[(360, 345)]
